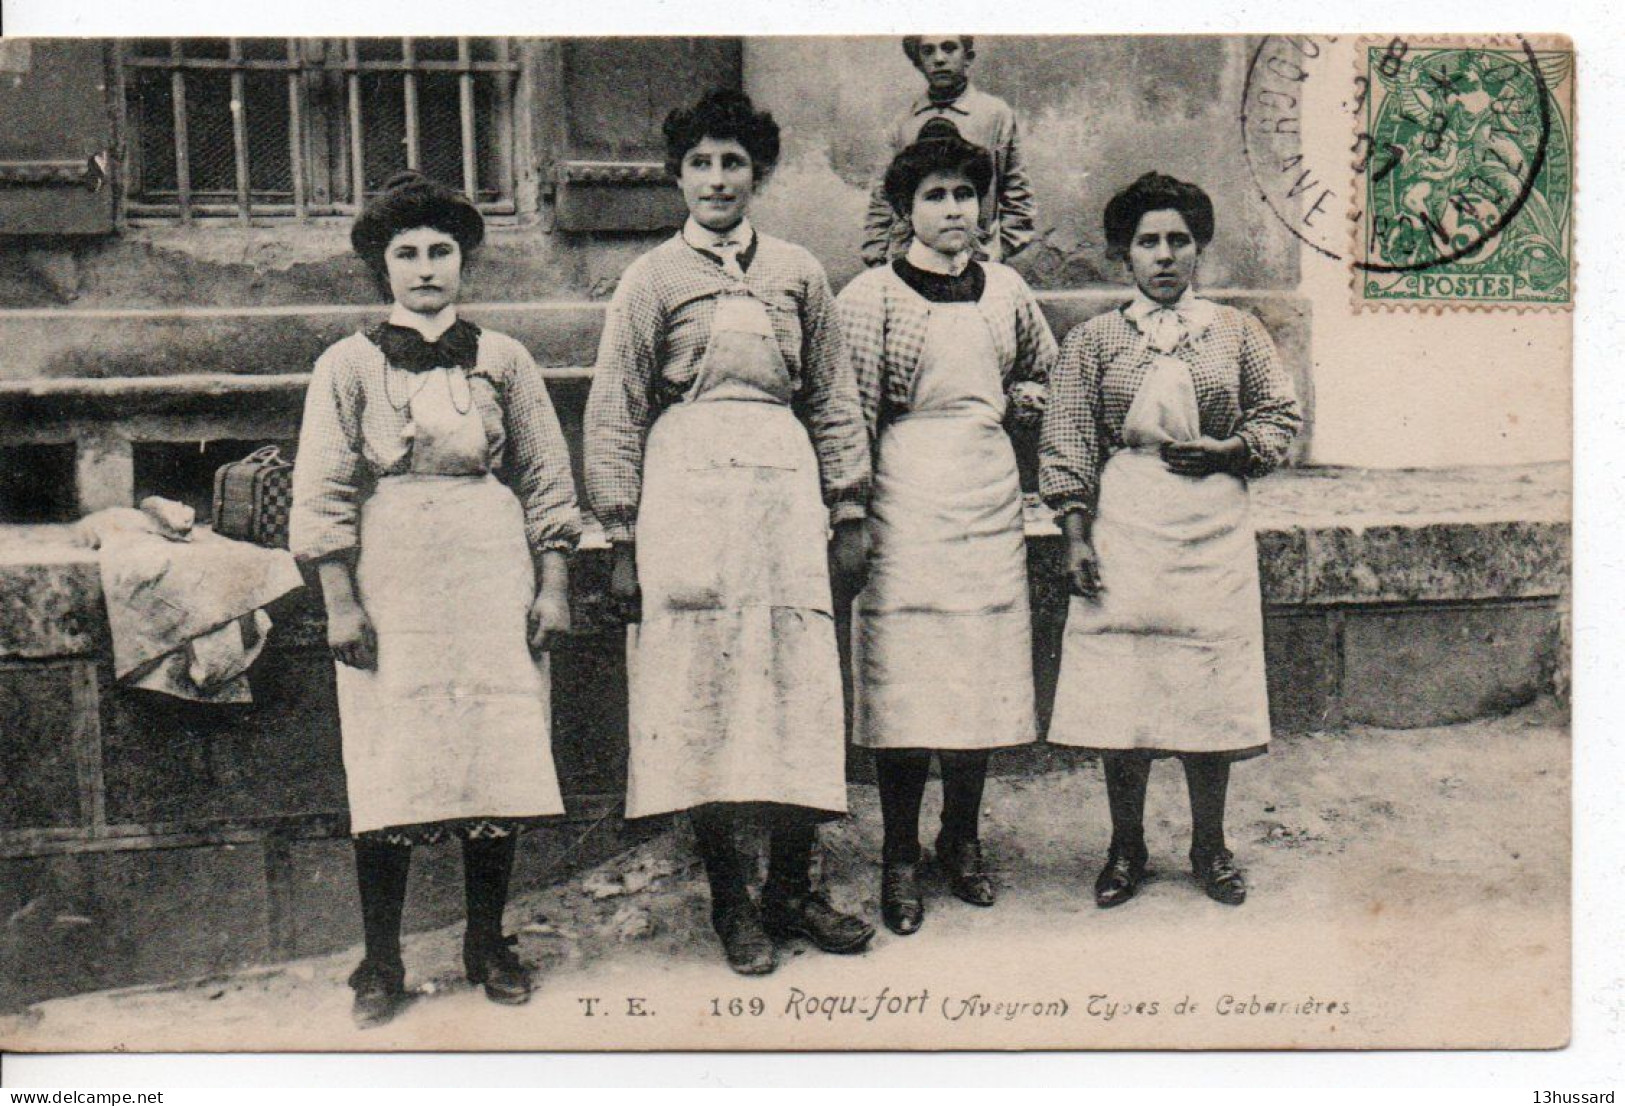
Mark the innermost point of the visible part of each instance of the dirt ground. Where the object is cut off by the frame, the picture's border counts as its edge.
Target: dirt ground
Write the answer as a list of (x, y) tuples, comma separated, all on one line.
[(1409, 889)]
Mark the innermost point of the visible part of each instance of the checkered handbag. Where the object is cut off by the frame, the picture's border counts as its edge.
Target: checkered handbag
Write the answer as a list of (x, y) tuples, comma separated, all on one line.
[(252, 498)]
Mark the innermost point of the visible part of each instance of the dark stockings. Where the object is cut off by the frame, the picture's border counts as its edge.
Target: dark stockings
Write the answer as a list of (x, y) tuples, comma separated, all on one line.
[(789, 856), (964, 775), (380, 870), (487, 870), (901, 775), (1206, 777), (1126, 780), (724, 866)]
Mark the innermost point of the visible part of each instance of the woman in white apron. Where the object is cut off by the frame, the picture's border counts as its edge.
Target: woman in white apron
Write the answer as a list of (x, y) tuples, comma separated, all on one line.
[(724, 438), (433, 492), (1160, 413), (942, 634)]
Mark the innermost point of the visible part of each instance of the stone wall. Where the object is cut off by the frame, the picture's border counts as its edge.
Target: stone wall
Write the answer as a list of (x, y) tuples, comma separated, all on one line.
[(1097, 111), (237, 377), (188, 839), (157, 300)]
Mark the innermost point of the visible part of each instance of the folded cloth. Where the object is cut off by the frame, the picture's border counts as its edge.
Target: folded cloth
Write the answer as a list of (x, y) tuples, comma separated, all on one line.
[(175, 518), (164, 594), (161, 517), (212, 668)]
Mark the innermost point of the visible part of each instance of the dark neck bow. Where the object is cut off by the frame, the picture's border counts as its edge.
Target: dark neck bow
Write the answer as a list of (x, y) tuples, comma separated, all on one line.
[(405, 348), (946, 97)]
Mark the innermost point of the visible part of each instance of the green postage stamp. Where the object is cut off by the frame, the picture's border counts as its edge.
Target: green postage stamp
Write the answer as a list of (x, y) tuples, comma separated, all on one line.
[(1465, 173)]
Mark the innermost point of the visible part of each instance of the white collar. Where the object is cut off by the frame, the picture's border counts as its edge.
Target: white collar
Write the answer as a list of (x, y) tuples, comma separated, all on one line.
[(742, 234), (924, 257), (430, 326), (1195, 312), (923, 102)]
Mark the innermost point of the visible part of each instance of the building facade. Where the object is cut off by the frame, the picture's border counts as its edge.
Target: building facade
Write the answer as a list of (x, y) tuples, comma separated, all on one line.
[(174, 254)]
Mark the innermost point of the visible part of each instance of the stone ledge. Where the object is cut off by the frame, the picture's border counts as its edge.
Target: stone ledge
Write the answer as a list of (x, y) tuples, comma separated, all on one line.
[(1334, 536), (152, 342), (1327, 537)]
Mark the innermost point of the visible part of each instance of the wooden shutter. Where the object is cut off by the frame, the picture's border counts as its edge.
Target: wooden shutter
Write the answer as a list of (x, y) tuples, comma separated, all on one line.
[(55, 138), (614, 93)]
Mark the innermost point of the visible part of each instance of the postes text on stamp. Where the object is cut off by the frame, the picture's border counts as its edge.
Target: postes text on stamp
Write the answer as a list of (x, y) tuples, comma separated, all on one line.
[(1465, 174)]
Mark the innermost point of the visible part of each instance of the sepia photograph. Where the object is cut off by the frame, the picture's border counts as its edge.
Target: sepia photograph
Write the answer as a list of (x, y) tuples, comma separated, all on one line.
[(827, 542)]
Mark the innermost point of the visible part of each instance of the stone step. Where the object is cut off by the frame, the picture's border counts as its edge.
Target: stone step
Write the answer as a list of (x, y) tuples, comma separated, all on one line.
[(107, 343), (109, 383)]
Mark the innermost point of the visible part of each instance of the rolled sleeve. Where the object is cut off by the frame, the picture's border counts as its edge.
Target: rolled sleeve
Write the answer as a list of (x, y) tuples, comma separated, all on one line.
[(861, 308), (1070, 443), (537, 461), (1270, 414), (830, 402), (877, 226), (1017, 208), (618, 407), (880, 230), (328, 469), (1035, 343)]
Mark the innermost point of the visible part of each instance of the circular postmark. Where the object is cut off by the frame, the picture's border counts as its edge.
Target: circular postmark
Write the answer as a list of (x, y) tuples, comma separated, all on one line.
[(1459, 164), (1308, 194)]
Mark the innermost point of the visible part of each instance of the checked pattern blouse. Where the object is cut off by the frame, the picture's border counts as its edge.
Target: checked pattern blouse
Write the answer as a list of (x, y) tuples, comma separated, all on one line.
[(884, 322), (1241, 390), (655, 335), (356, 408)]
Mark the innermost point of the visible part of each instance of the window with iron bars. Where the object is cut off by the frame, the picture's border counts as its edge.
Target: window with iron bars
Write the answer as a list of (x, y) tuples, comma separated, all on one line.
[(249, 128)]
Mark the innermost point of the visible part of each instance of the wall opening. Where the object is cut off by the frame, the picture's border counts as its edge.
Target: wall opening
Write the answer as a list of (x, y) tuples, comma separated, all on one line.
[(37, 484), (184, 471)]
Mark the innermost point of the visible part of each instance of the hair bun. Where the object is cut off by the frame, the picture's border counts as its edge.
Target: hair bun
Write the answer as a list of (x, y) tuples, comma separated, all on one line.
[(944, 149), (412, 199), (722, 113), (406, 178), (938, 130), (1156, 192)]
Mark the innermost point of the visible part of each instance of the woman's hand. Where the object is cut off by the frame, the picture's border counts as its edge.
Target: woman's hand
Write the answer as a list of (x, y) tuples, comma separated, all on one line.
[(1028, 398), (350, 633), (548, 621), (623, 582), (1205, 456), (549, 617), (849, 558), (351, 637), (1083, 568)]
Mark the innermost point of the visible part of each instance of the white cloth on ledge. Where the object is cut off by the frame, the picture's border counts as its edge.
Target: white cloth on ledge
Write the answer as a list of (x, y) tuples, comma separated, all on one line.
[(184, 608)]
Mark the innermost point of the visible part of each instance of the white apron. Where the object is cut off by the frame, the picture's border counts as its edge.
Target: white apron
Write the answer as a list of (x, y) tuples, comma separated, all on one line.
[(455, 722), (1170, 657), (942, 634), (735, 679)]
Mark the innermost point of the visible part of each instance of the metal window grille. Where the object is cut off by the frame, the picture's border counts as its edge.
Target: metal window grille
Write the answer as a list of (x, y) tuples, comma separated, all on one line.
[(244, 128)]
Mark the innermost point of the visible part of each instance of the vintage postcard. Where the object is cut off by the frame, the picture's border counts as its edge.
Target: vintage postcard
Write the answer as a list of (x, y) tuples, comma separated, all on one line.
[(935, 542)]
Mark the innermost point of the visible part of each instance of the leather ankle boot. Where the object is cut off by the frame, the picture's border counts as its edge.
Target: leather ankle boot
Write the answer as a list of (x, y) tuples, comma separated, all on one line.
[(1119, 881), (380, 992), (901, 907), (1216, 871), (966, 871), (744, 942), (493, 963), (786, 915)]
